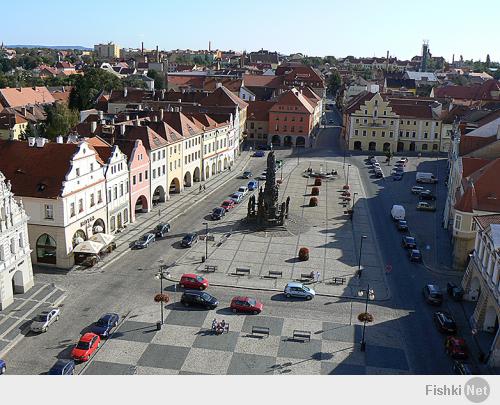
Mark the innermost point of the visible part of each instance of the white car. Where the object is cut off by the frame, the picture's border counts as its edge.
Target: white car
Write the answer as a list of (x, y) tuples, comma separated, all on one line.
[(243, 190), (46, 318), (237, 197), (299, 290)]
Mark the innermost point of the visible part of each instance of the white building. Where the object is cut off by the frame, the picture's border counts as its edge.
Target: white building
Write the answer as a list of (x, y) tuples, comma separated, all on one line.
[(16, 273), (116, 173), (481, 283), (63, 190)]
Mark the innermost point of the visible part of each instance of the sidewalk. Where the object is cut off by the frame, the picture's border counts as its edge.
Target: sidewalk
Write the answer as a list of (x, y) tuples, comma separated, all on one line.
[(169, 210)]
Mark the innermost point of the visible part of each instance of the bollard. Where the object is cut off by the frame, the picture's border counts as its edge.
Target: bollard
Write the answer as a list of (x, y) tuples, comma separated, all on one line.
[(203, 259), (158, 325)]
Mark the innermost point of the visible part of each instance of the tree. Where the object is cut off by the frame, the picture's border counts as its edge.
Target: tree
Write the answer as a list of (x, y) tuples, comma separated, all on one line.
[(488, 61), (60, 119), (158, 78), (334, 82), (90, 85), (134, 82)]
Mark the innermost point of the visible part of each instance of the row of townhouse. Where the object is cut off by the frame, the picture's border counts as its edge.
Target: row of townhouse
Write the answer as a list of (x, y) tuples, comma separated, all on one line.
[(383, 123), (99, 184)]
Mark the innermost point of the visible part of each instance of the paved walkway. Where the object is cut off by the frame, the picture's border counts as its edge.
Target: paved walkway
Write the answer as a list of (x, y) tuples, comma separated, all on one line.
[(15, 320), (331, 237)]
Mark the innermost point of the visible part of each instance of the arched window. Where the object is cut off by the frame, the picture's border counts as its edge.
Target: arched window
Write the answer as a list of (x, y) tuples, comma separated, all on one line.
[(46, 249)]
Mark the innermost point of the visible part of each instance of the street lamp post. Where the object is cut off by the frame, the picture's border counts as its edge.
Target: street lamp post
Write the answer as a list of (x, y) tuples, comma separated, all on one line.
[(162, 273), (206, 239), (347, 178), (369, 295), (354, 199), (363, 237)]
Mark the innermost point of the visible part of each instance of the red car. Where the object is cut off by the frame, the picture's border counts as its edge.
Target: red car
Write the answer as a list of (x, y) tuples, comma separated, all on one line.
[(456, 347), (86, 346), (193, 281), (227, 204), (246, 304)]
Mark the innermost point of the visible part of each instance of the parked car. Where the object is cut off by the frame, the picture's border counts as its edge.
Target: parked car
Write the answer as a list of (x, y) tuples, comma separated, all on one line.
[(237, 197), (409, 242), (417, 189), (162, 229), (432, 294), (279, 163), (218, 213), (461, 368), (299, 290), (105, 324), (425, 206), (63, 367), (193, 281), (261, 177), (456, 347), (199, 298), (145, 241), (397, 177), (259, 153), (331, 121), (243, 190), (445, 322), (264, 146), (402, 225), (246, 304), (415, 255), (189, 239), (398, 169), (3, 367), (247, 175), (227, 204), (252, 185), (43, 320), (86, 346), (379, 174), (454, 291), (427, 195)]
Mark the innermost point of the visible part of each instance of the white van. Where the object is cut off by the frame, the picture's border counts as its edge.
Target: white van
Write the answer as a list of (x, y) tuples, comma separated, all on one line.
[(397, 213), (243, 190), (425, 178)]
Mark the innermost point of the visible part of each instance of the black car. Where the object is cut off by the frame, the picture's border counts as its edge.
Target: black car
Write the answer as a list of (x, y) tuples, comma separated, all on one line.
[(263, 147), (427, 195), (409, 242), (145, 241), (461, 368), (246, 175), (454, 291), (189, 240), (218, 213), (105, 324), (445, 322), (415, 255), (162, 229), (432, 294), (379, 174), (63, 367), (199, 298), (402, 225)]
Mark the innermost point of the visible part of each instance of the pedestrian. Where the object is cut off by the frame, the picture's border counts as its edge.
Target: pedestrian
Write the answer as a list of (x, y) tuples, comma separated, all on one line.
[(201, 187), (204, 187)]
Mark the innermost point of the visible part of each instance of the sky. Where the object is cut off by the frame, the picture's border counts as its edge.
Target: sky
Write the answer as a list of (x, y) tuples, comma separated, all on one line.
[(312, 27)]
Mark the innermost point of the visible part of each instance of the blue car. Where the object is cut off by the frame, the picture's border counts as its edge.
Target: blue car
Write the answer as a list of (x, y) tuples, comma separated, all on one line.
[(259, 153), (3, 367), (252, 185), (63, 367), (104, 325)]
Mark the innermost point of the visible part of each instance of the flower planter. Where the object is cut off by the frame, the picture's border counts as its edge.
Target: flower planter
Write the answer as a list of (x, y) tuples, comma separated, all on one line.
[(346, 187), (317, 182), (365, 317), (315, 191), (162, 298), (303, 254), (313, 202)]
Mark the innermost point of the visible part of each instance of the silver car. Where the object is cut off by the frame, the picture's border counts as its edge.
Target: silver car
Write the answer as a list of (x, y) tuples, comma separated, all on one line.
[(299, 290), (46, 318)]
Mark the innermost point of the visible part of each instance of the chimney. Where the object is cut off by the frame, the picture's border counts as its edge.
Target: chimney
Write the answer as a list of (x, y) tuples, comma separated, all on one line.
[(163, 94), (179, 100), (101, 115), (93, 126), (59, 139), (40, 142), (155, 118), (125, 92), (219, 84), (72, 138), (136, 122), (127, 117), (122, 129), (142, 48), (31, 141), (23, 111), (161, 114)]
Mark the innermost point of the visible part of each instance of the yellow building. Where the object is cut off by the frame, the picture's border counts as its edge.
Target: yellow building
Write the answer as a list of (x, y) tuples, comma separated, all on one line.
[(380, 122), (107, 51), (12, 126)]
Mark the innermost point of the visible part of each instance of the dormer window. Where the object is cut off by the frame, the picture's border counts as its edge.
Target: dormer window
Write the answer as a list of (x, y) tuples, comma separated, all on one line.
[(77, 172)]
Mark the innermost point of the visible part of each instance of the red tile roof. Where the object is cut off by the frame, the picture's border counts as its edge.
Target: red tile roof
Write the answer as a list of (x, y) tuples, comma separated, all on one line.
[(470, 165), (36, 172), (259, 110), (262, 81), (469, 144), (150, 139), (20, 97), (292, 98), (223, 97), (210, 84), (182, 124), (358, 101), (481, 91), (195, 81)]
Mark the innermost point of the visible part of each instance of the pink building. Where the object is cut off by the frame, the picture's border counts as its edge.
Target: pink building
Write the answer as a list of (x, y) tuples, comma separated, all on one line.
[(138, 166)]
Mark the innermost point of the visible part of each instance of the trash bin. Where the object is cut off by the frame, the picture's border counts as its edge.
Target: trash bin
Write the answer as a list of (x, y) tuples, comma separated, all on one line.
[(203, 259), (158, 325)]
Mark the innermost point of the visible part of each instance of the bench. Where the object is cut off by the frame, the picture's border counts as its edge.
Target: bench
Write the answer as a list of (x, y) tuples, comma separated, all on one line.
[(307, 276), (302, 335), (337, 280), (210, 269), (242, 271), (275, 273), (260, 330)]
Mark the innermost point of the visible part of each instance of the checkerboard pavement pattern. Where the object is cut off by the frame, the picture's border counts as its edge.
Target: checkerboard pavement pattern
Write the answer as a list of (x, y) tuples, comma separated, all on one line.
[(186, 345)]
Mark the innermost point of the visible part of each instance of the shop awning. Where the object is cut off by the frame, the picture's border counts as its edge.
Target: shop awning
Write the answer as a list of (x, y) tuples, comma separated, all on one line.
[(103, 238), (88, 246)]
